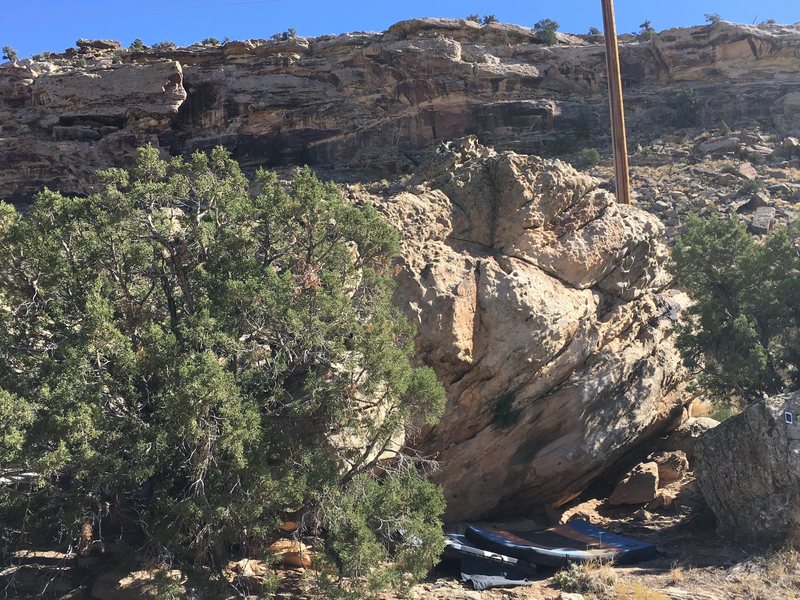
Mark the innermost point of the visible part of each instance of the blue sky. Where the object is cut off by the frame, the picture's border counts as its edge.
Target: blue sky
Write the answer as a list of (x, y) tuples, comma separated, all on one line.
[(32, 26)]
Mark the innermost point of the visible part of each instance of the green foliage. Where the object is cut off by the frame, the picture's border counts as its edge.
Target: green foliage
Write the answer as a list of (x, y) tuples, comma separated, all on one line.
[(211, 41), (208, 355), (164, 46), (724, 128), (646, 31), (546, 31), (741, 334), (10, 54), (687, 109), (474, 17), (396, 508), (137, 45), (751, 186), (489, 19), (166, 586), (16, 416), (589, 157), (595, 31), (712, 18), (285, 36)]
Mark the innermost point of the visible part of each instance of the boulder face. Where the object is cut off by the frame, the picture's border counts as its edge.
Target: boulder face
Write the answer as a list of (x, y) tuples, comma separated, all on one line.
[(748, 468), (535, 299), (371, 102)]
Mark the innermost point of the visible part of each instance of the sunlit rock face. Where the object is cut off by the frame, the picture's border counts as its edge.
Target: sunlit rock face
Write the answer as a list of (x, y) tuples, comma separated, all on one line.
[(536, 298)]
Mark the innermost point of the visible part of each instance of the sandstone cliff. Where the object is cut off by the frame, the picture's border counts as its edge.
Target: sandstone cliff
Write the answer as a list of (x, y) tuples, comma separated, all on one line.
[(535, 296), (372, 101)]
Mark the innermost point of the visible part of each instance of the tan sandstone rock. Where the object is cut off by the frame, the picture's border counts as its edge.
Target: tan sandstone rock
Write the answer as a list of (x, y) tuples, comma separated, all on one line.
[(533, 293), (373, 101), (640, 486), (672, 466)]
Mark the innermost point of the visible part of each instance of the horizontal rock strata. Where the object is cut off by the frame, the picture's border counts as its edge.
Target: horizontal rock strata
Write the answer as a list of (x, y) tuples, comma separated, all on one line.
[(373, 101)]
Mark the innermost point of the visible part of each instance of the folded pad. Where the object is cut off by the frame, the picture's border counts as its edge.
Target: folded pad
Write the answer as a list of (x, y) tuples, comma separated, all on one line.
[(577, 541), (484, 569)]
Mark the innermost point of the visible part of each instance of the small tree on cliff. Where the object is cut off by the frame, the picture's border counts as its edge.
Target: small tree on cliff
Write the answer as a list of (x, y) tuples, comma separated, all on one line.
[(10, 54), (546, 31), (646, 31), (206, 356), (742, 334)]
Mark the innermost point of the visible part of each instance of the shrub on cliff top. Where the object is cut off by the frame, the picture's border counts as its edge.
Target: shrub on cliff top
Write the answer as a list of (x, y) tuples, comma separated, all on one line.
[(546, 31), (646, 31), (10, 54), (198, 357)]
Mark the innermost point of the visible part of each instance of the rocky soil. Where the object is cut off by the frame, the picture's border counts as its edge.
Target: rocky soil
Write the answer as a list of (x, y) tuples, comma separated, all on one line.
[(754, 177)]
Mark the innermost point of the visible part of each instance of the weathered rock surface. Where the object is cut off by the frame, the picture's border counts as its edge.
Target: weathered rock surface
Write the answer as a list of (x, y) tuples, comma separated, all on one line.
[(640, 486), (672, 466), (373, 101), (534, 296), (721, 146), (748, 469), (684, 438), (763, 220)]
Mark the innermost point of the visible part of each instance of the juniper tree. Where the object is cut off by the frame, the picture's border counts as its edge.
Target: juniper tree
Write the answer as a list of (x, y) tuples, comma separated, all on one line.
[(742, 334), (207, 355), (546, 30), (10, 54)]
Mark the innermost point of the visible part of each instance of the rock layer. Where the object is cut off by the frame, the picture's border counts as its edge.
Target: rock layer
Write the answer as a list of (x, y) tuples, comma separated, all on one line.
[(373, 101), (534, 293), (748, 468)]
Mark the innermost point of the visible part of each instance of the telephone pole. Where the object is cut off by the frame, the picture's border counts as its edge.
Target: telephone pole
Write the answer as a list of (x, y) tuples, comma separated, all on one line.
[(615, 102)]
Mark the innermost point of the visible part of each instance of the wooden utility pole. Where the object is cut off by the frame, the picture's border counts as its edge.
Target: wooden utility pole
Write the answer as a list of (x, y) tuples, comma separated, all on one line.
[(618, 137)]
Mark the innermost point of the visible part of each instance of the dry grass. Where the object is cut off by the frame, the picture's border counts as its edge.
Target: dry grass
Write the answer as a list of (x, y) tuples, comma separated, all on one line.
[(772, 576), (601, 580), (591, 577), (636, 590), (676, 574)]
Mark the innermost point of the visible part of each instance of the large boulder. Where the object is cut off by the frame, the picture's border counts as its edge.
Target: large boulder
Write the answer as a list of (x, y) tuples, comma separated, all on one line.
[(749, 471), (535, 296)]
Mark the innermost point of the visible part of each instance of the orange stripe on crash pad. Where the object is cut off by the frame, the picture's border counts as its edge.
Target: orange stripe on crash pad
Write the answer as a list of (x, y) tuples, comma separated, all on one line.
[(562, 530)]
